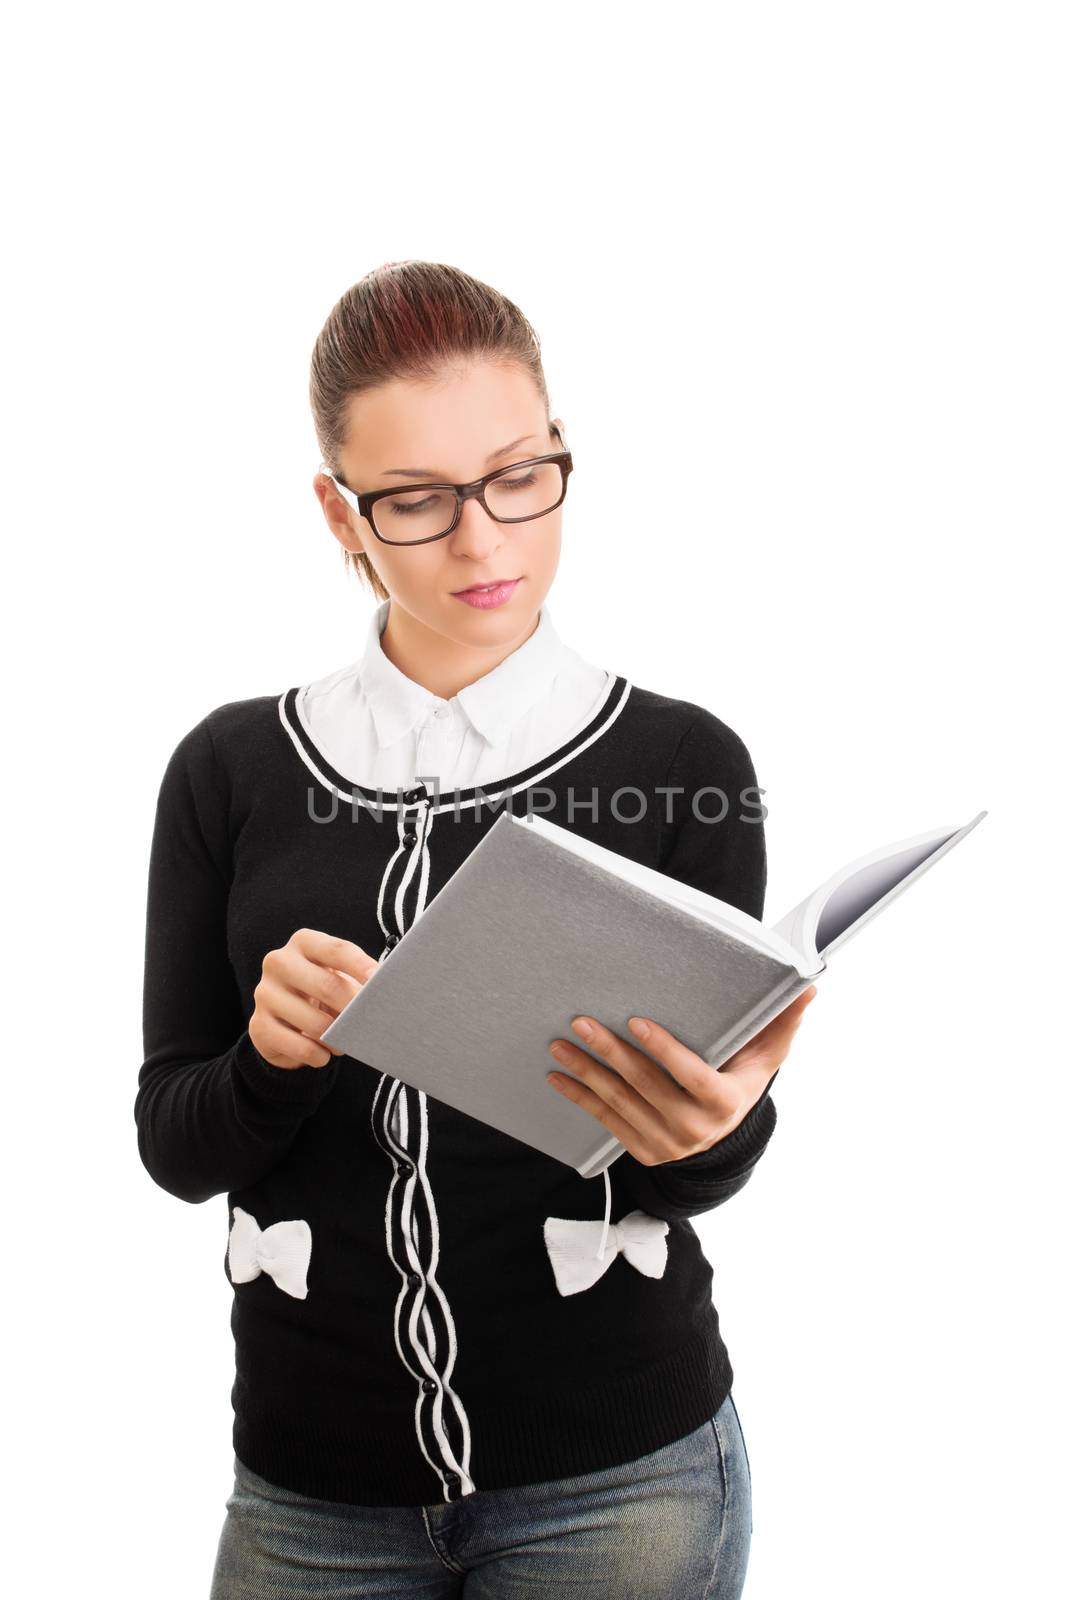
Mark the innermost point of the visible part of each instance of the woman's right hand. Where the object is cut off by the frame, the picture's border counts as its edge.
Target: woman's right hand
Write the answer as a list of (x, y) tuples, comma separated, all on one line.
[(303, 987)]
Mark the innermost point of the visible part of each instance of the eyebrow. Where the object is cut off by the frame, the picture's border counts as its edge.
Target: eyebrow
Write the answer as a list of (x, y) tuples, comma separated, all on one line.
[(438, 477)]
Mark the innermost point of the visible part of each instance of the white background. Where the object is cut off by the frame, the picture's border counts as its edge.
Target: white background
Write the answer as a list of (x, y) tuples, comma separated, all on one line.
[(806, 264)]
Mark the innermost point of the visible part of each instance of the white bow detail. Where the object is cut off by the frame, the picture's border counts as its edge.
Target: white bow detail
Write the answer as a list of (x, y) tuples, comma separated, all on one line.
[(283, 1251), (572, 1248)]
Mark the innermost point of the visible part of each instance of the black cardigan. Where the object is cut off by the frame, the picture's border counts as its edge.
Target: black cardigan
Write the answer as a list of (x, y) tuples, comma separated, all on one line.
[(431, 1353)]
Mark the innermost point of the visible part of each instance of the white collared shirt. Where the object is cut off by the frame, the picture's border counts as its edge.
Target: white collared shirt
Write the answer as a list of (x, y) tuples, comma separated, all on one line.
[(381, 729)]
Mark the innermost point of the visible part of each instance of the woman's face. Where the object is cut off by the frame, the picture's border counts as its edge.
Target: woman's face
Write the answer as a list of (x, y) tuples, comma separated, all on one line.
[(452, 430)]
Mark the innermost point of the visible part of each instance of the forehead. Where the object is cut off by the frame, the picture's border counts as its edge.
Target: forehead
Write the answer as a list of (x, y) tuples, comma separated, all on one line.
[(451, 421)]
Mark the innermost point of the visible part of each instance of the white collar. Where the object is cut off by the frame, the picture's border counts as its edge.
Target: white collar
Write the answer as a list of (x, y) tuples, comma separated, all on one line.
[(493, 703)]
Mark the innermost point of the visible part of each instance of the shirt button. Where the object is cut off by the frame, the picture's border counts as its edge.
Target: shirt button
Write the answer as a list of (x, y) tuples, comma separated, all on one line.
[(428, 1386), (442, 711)]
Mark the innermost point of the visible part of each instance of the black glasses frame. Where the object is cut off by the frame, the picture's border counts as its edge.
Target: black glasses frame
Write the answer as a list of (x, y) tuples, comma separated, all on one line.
[(364, 503)]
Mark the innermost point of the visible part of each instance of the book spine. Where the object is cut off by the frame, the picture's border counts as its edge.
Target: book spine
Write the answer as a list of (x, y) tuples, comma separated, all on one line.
[(596, 1163), (749, 1025)]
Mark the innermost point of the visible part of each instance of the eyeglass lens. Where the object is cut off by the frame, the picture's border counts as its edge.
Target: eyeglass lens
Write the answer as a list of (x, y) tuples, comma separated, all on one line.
[(421, 513)]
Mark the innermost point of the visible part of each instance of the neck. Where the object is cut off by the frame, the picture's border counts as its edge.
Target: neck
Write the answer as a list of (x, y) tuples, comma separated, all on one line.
[(442, 665)]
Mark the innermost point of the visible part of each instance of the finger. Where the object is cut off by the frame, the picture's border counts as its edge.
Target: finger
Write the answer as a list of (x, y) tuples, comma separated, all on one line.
[(284, 1046), (327, 989), (292, 1006), (326, 969), (331, 989), (328, 950), (634, 1088), (771, 1045), (690, 1074), (786, 1023), (615, 1122)]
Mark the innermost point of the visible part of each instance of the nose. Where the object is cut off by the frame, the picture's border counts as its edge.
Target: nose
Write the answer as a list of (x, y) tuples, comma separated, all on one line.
[(476, 534)]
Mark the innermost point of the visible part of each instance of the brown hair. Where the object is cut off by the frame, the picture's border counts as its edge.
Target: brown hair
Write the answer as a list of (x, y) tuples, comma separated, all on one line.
[(409, 319)]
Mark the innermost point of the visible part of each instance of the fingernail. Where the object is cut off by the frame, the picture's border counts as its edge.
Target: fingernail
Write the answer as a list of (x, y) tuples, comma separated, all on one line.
[(639, 1026), (584, 1028)]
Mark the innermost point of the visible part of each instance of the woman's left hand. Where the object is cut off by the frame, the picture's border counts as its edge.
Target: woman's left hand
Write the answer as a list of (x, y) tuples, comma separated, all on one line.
[(658, 1119)]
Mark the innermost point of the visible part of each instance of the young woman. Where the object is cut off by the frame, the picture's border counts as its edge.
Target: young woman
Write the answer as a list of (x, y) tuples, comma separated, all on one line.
[(437, 1391)]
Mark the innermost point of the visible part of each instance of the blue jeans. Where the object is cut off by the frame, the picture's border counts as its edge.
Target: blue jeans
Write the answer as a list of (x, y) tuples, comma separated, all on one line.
[(673, 1525)]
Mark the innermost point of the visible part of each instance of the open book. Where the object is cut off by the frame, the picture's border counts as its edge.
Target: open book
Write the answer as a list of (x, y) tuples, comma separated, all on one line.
[(539, 925)]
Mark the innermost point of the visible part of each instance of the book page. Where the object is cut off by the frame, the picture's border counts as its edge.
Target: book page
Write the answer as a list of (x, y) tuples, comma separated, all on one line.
[(839, 907)]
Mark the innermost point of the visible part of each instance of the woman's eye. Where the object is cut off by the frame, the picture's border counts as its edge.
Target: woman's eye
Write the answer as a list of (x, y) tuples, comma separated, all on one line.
[(408, 507), (516, 483)]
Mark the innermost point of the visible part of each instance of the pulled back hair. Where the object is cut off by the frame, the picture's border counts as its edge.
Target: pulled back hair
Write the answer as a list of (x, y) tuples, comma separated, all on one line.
[(410, 320)]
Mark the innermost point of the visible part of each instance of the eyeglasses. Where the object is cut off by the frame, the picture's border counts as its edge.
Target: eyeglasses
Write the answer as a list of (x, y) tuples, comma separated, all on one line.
[(418, 513)]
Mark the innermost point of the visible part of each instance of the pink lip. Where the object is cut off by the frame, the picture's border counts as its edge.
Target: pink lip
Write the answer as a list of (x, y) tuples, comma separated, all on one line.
[(489, 599)]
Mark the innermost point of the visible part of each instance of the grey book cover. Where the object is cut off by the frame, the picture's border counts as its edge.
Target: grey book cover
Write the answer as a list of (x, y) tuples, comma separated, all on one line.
[(539, 925)]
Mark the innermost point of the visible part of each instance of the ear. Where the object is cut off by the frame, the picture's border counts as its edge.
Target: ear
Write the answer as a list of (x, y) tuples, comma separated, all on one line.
[(344, 523)]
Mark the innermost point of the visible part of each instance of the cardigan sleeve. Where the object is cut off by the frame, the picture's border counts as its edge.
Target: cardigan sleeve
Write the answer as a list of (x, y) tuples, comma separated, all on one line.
[(212, 1114), (712, 838)]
